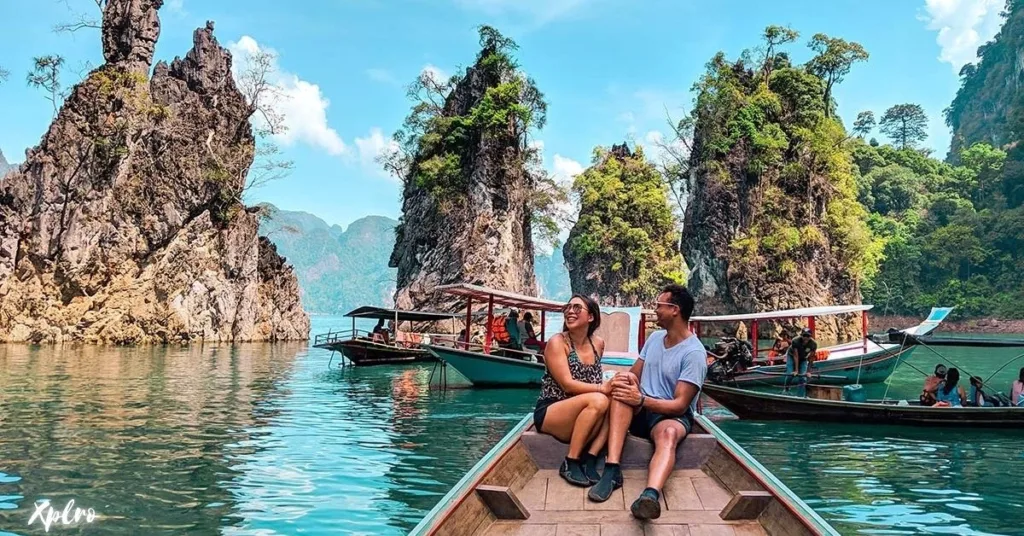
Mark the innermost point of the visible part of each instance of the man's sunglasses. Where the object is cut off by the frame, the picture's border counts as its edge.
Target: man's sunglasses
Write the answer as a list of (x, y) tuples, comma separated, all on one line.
[(657, 303)]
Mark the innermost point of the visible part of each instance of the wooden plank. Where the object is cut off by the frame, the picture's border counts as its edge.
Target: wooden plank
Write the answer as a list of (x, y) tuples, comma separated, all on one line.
[(747, 505), (622, 529), (712, 495), (667, 530), (564, 496), (534, 493), (514, 470), (502, 502), (730, 474), (677, 517), (578, 530), (681, 495), (711, 530), (825, 392), (750, 529), (511, 528), (546, 452), (471, 517), (776, 519)]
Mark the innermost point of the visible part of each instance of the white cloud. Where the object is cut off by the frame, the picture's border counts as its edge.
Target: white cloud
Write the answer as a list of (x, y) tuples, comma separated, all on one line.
[(177, 7), (963, 26), (566, 169), (435, 72), (371, 147), (300, 102), (540, 12)]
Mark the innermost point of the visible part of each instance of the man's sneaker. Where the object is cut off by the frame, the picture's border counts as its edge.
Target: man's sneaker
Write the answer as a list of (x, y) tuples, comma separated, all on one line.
[(647, 505)]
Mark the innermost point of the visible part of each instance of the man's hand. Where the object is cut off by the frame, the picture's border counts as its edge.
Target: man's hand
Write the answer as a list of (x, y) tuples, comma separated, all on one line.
[(628, 393)]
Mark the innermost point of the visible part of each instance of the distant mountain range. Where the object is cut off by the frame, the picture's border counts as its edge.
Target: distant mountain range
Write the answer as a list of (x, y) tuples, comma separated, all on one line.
[(341, 269)]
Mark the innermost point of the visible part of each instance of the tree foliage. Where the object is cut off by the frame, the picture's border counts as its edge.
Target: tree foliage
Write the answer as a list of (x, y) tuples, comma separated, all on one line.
[(45, 75), (834, 60), (438, 141), (864, 123), (776, 145), (905, 124), (626, 226)]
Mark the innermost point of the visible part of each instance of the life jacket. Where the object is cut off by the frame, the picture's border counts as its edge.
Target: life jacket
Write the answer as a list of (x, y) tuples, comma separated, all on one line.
[(498, 332)]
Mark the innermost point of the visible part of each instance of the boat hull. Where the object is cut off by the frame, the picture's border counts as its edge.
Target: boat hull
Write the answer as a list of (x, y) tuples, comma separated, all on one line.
[(873, 367), (769, 406), (484, 370), (365, 353)]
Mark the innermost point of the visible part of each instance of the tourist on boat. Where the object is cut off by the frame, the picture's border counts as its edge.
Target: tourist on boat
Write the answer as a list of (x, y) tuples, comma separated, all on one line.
[(949, 394), (530, 340), (379, 328), (798, 359), (977, 395), (780, 347), (512, 327), (931, 384), (656, 400), (573, 394), (1017, 390)]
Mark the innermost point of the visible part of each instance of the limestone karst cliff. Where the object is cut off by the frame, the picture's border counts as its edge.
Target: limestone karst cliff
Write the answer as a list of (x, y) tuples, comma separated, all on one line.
[(125, 224), (624, 245), (772, 221), (467, 213)]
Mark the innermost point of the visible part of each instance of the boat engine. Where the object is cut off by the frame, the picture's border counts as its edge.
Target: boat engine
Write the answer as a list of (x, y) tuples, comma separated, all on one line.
[(730, 355)]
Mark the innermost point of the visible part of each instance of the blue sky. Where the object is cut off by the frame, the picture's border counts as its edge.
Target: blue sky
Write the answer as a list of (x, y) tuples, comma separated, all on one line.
[(609, 68)]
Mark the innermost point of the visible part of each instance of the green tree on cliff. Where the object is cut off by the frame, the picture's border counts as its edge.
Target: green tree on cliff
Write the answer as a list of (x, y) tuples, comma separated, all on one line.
[(623, 246), (435, 145), (906, 124), (834, 60), (864, 124)]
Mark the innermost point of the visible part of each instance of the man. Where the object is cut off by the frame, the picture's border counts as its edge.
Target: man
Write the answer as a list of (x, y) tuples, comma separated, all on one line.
[(656, 400), (798, 358)]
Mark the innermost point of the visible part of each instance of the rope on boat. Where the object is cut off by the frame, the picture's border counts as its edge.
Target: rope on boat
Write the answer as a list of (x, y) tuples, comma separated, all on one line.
[(944, 358), (888, 383)]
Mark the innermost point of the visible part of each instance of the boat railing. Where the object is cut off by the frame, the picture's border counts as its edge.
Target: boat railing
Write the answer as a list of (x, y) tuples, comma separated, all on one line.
[(332, 337)]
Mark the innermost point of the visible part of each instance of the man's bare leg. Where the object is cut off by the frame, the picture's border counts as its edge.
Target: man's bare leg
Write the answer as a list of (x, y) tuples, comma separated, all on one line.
[(666, 436)]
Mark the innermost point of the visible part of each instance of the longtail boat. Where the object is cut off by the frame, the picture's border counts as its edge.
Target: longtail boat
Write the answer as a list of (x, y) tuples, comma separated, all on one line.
[(864, 361), (716, 487), (748, 404), (365, 348)]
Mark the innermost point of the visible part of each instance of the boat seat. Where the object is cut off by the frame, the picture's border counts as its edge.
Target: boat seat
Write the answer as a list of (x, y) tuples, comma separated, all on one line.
[(548, 452)]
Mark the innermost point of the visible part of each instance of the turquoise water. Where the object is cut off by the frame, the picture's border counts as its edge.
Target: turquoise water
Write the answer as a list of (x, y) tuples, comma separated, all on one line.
[(265, 439)]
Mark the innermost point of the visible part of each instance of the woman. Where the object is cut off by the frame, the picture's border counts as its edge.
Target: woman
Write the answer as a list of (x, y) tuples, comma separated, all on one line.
[(530, 341), (949, 394), (573, 395), (1017, 390)]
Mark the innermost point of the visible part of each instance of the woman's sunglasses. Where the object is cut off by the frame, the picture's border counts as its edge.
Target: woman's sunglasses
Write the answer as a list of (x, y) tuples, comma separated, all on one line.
[(572, 308)]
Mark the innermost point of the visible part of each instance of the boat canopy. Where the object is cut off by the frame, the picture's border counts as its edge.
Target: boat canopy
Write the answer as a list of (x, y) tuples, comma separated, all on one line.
[(825, 310), (481, 294), (378, 313)]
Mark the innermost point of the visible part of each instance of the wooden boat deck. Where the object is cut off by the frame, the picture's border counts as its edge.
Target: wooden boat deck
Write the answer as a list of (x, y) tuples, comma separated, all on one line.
[(690, 505)]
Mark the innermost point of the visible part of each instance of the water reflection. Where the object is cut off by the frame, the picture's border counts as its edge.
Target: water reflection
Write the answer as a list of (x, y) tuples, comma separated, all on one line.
[(135, 433), (896, 480)]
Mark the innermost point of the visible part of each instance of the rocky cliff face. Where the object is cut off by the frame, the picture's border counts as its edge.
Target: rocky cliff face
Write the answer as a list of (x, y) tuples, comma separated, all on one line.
[(624, 246), (125, 224), (772, 220), (4, 165), (465, 210)]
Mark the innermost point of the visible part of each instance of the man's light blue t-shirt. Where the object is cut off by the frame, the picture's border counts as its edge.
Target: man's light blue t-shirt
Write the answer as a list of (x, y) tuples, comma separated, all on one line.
[(663, 367)]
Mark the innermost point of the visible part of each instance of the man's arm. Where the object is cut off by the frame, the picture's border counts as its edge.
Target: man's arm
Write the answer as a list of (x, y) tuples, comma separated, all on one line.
[(680, 403)]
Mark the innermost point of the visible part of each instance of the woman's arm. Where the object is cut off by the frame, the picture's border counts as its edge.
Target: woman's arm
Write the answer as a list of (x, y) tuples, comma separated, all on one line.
[(556, 359)]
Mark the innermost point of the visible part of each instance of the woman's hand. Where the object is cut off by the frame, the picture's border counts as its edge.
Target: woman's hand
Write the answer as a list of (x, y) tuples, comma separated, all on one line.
[(606, 387)]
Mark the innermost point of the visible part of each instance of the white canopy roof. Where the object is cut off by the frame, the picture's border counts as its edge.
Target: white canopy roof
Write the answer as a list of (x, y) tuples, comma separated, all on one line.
[(824, 310)]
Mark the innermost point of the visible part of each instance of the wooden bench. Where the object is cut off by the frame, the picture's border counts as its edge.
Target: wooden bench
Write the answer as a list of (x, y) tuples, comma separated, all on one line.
[(548, 452)]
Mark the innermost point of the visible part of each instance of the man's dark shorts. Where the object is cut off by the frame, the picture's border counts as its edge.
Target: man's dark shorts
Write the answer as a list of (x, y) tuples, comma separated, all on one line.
[(644, 420)]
